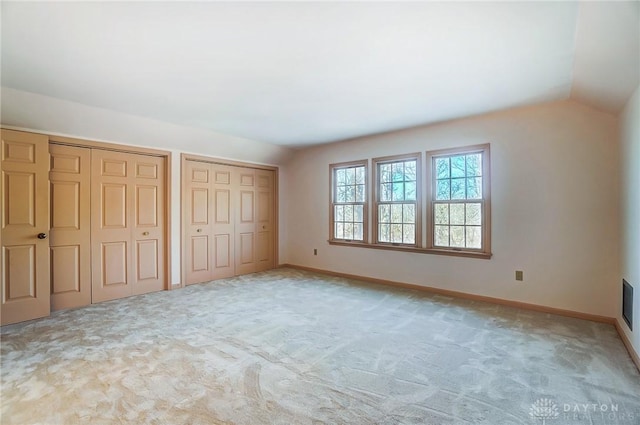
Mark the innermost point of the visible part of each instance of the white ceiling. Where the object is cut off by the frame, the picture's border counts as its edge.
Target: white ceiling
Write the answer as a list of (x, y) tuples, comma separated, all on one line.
[(303, 73)]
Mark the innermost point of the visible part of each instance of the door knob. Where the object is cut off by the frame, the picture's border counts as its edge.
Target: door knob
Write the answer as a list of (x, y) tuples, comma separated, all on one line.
[(264, 227), (145, 233), (199, 230), (42, 236)]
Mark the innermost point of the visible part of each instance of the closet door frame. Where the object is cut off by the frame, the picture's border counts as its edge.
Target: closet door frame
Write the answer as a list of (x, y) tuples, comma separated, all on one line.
[(184, 157), (69, 141)]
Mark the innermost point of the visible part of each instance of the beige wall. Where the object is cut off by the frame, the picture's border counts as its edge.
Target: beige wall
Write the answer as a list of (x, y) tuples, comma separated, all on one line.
[(630, 170), (555, 191), (555, 208), (35, 112)]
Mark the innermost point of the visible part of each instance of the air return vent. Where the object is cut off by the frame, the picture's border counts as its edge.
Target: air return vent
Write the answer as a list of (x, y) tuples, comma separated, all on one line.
[(627, 303)]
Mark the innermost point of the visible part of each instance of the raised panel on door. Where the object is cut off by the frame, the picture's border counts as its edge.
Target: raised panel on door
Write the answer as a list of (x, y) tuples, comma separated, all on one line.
[(246, 249), (201, 254), (112, 182), (148, 224), (114, 264), (223, 221), (65, 272), (114, 211), (148, 256), (19, 199), (199, 206), (65, 205), (265, 212), (223, 251), (25, 276), (19, 266), (197, 181), (70, 238), (245, 228)]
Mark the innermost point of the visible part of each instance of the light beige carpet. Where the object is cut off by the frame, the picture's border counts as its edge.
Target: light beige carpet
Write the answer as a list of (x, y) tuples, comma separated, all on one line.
[(289, 347)]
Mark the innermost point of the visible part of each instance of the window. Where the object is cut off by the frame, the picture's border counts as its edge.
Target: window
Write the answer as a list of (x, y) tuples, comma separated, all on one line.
[(397, 199), (453, 197), (458, 205), (349, 201)]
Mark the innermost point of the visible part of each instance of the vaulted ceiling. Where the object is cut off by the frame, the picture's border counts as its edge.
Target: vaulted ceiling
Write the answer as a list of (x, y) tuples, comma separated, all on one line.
[(304, 72)]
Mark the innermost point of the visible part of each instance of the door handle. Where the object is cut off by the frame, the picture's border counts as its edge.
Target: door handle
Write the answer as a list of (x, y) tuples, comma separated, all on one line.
[(199, 230), (264, 227), (145, 233), (42, 236)]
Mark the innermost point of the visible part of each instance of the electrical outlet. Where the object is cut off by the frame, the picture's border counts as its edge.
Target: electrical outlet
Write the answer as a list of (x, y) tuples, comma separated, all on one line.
[(315, 251), (519, 275)]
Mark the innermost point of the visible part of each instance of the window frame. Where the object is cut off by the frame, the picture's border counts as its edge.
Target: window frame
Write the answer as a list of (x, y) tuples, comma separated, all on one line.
[(332, 201), (485, 250), (417, 156)]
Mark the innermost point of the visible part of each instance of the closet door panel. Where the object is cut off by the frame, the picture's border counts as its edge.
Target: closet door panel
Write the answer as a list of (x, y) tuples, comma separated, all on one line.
[(245, 228), (265, 212), (148, 223), (24, 257), (111, 247), (197, 196), (223, 221), (70, 243)]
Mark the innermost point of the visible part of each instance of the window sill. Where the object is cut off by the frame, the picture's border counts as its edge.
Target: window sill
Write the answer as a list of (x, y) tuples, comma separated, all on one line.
[(452, 253)]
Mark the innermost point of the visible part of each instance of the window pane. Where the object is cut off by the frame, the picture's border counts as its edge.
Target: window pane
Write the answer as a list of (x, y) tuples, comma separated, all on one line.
[(385, 192), (350, 176), (441, 236), (474, 165), (458, 189), (348, 230), (384, 213), (385, 173), (409, 233), (457, 236), (348, 213), (396, 213), (396, 233), (409, 213), (339, 231), (457, 166), (474, 188), (442, 190), (474, 237), (398, 192), (442, 168), (338, 214), (442, 213), (397, 171), (410, 170), (351, 194), (340, 177), (410, 191), (360, 193), (360, 175), (457, 213), (358, 213), (474, 214), (383, 233), (357, 232)]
